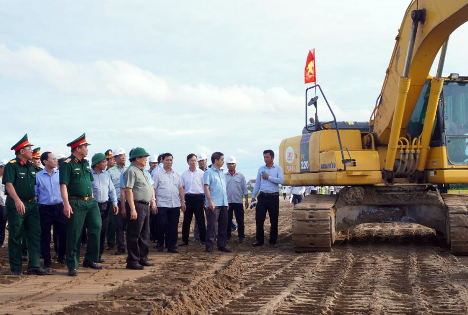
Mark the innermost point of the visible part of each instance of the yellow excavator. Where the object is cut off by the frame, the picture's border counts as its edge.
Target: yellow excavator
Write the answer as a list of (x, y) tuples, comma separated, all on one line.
[(397, 166)]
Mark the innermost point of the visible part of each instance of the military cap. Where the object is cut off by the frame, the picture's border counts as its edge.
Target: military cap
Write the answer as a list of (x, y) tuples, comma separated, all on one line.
[(109, 154), (36, 153), (98, 157), (24, 142), (81, 140), (138, 152)]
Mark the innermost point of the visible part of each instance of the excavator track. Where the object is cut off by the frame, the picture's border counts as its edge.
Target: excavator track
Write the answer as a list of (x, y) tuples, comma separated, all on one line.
[(457, 223), (313, 224)]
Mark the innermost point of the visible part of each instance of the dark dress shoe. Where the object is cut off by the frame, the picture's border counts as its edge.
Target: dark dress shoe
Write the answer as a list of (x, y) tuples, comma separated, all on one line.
[(183, 244), (16, 273), (172, 250), (72, 272), (224, 249), (135, 266), (209, 250), (146, 263), (120, 252), (257, 244), (160, 249), (273, 245), (241, 239), (38, 271), (92, 265), (101, 260), (49, 271)]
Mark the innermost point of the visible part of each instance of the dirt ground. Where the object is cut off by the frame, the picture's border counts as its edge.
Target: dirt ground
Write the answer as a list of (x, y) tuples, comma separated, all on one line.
[(383, 269)]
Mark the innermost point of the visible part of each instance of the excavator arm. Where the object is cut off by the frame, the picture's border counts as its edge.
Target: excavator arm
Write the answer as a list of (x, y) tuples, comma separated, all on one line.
[(442, 17)]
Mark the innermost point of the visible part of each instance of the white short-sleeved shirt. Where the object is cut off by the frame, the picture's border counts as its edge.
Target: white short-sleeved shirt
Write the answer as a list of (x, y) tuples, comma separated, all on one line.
[(193, 181), (166, 187)]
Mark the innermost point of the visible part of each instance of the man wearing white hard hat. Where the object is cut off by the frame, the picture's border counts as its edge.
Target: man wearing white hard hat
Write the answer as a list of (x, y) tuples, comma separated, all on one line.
[(236, 188), (202, 161), (153, 163), (115, 172), (2, 204), (202, 165)]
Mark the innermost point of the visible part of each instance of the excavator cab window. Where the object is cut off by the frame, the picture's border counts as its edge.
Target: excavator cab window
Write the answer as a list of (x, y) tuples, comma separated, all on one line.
[(416, 123), (455, 117)]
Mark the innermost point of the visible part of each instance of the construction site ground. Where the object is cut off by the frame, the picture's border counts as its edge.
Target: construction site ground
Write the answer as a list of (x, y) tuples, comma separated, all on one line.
[(392, 268)]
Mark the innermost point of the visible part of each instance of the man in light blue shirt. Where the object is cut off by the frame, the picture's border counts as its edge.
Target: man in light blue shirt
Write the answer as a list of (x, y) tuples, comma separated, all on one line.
[(103, 190), (214, 181), (50, 208), (269, 177), (115, 172)]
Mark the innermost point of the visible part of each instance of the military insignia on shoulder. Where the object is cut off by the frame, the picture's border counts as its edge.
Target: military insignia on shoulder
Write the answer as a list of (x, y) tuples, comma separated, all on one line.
[(13, 161), (67, 160)]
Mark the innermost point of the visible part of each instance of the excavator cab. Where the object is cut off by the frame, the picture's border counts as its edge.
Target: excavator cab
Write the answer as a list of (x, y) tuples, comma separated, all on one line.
[(451, 122)]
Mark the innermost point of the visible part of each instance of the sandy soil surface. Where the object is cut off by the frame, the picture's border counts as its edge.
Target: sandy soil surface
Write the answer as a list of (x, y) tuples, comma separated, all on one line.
[(383, 269)]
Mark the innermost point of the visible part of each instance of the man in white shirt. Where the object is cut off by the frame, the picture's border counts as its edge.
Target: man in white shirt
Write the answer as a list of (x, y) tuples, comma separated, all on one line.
[(297, 193), (170, 198), (236, 189), (192, 181), (284, 190)]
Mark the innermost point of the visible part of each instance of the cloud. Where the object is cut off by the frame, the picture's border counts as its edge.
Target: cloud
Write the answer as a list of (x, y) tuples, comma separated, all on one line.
[(101, 78), (168, 131), (245, 98), (121, 79)]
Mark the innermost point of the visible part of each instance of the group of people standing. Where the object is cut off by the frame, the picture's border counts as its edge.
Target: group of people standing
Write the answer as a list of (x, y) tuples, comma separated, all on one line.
[(77, 198)]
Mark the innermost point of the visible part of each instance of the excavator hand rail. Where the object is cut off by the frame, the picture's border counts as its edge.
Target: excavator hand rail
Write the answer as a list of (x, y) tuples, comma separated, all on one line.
[(318, 125)]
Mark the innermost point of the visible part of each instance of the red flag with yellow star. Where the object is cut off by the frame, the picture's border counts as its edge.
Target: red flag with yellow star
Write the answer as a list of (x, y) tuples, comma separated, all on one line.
[(309, 71)]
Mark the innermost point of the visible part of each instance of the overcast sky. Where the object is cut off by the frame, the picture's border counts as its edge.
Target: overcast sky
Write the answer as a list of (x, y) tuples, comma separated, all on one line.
[(189, 76)]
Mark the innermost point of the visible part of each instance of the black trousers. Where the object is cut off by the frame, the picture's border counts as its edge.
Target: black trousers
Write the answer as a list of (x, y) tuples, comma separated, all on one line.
[(168, 222), (104, 209), (138, 233), (270, 204), (194, 206), (52, 216), (296, 199), (218, 215), (153, 227), (238, 210), (2, 224), (120, 226)]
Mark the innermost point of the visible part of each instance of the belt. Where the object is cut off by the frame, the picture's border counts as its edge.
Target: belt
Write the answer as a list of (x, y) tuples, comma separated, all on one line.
[(141, 202), (269, 194), (51, 206), (28, 200), (81, 198), (102, 203), (194, 195)]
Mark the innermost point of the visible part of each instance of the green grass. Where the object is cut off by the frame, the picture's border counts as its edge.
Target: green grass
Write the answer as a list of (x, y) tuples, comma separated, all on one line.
[(458, 191)]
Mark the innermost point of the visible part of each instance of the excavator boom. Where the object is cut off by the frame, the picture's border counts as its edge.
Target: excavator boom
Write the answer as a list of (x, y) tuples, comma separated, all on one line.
[(442, 18)]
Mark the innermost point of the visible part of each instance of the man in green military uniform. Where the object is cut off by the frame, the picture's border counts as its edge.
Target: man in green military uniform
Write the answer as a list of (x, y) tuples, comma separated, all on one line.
[(36, 161), (19, 178), (79, 206)]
